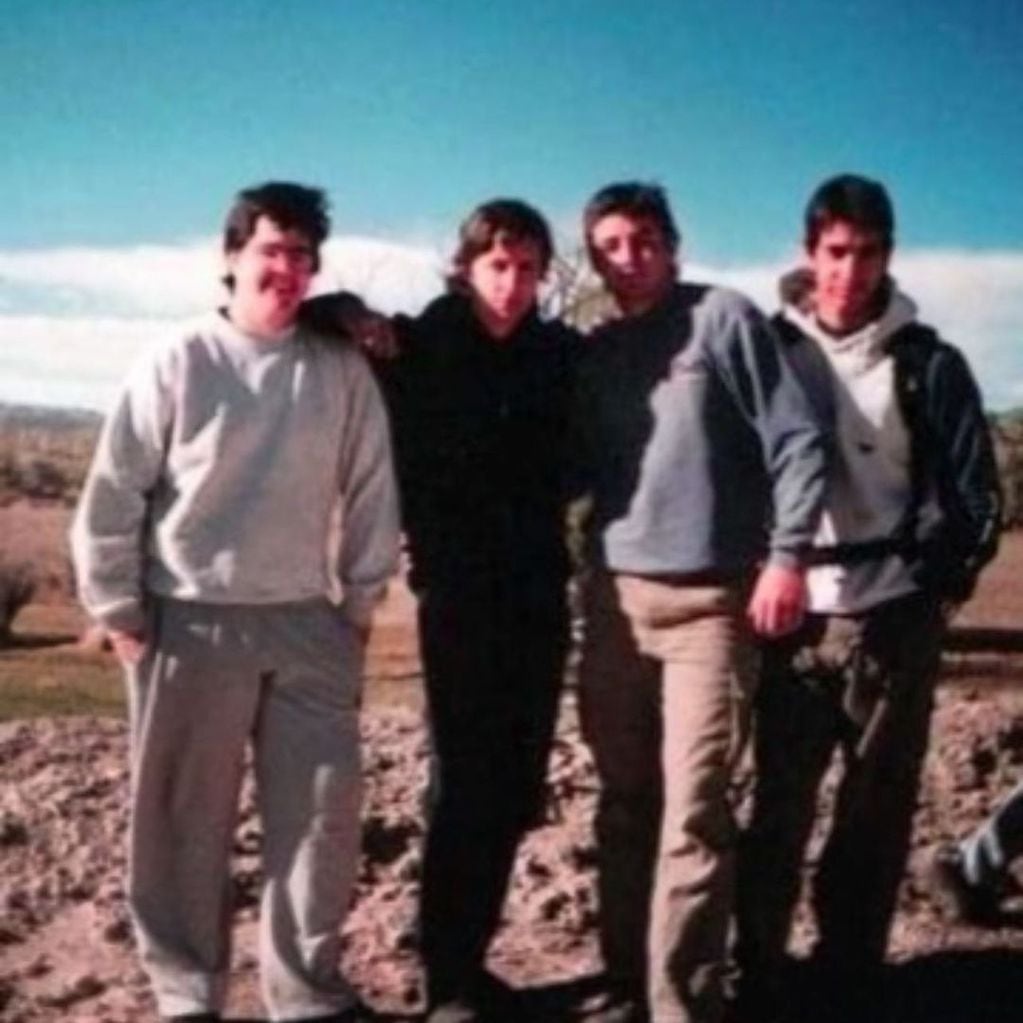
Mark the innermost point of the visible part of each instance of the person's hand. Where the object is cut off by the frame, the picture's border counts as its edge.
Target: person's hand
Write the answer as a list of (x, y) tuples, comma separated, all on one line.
[(371, 331), (778, 601), (128, 646)]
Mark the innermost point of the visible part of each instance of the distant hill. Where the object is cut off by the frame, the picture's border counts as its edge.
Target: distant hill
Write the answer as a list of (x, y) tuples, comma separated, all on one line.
[(37, 417), (45, 453)]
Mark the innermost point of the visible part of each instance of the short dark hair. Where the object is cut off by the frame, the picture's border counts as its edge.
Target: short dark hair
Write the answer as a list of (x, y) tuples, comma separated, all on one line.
[(855, 199), (637, 199), (290, 206), (499, 220)]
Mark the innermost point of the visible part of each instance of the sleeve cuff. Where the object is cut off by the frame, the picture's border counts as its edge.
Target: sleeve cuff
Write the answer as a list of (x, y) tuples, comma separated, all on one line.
[(359, 602), (126, 616), (787, 558)]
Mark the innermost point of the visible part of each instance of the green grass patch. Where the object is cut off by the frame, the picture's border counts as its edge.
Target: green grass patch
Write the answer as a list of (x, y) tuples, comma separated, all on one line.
[(40, 681), (45, 674)]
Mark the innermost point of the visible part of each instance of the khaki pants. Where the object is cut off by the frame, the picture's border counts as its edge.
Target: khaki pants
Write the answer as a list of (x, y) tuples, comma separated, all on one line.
[(665, 684), (214, 677)]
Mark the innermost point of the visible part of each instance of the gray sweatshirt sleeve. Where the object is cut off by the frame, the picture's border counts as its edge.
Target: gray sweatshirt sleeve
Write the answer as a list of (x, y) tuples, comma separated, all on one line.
[(370, 522), (750, 362), (108, 530)]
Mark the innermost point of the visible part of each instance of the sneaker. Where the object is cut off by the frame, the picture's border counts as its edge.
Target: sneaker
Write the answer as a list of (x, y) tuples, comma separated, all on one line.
[(963, 901)]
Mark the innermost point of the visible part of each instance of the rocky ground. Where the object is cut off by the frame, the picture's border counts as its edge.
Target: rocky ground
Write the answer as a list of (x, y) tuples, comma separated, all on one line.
[(65, 946)]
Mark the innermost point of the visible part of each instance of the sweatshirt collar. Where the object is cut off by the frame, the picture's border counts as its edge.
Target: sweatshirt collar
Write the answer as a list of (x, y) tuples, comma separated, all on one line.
[(870, 341), (254, 343)]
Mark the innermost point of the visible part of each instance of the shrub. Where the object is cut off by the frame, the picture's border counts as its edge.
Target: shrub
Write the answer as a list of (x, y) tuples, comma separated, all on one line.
[(17, 586)]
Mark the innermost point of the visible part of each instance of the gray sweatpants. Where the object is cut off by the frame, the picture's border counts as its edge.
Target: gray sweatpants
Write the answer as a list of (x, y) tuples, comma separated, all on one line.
[(286, 677)]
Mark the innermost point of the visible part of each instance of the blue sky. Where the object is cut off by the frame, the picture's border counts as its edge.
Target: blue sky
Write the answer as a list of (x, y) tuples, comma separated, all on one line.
[(128, 126)]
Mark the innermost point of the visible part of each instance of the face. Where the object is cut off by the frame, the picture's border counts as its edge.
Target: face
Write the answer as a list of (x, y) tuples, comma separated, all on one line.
[(633, 258), (503, 282), (849, 265), (272, 272)]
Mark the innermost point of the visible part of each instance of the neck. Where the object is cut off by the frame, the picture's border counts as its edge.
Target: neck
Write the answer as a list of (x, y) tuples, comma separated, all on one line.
[(256, 326), (843, 328), (493, 327), (840, 330), (637, 305)]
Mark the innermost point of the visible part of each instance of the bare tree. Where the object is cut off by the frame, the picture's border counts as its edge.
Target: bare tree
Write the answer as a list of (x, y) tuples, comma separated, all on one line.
[(573, 292)]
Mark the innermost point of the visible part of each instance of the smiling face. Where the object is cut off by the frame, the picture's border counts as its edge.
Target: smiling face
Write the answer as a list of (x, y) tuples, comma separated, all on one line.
[(503, 283), (633, 258), (272, 272), (849, 265)]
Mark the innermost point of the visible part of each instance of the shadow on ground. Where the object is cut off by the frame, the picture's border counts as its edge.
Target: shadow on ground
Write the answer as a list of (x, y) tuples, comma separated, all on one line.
[(38, 640), (958, 987), (953, 986)]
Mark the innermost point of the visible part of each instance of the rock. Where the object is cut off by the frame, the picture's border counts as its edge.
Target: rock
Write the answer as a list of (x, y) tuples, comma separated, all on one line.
[(80, 988)]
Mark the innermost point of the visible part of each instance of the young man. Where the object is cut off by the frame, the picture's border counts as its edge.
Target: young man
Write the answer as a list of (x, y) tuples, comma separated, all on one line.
[(480, 392), (201, 545), (912, 515), (707, 477)]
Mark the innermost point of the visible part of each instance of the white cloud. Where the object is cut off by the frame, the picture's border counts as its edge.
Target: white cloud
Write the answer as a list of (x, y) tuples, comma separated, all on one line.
[(390, 276), (179, 280), (72, 319), (154, 280), (70, 361)]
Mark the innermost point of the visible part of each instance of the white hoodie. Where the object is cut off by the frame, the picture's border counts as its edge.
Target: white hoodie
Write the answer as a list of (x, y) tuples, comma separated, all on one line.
[(869, 486)]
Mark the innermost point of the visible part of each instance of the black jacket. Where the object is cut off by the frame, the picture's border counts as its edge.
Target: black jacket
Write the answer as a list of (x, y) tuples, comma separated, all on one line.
[(481, 441), (951, 448)]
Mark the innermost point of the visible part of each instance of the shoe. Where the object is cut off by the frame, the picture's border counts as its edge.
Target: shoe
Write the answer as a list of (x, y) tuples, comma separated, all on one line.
[(487, 999), (455, 1010), (193, 1017), (357, 1013), (611, 1005), (963, 901)]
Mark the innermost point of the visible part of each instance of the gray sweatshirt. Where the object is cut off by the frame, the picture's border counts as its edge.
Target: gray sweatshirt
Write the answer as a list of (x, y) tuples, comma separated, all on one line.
[(703, 453), (220, 471)]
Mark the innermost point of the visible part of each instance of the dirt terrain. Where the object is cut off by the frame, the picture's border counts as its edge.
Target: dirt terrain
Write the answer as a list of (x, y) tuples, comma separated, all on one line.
[(65, 946)]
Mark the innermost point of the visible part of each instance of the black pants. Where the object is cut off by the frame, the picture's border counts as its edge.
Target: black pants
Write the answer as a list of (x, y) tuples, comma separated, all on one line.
[(863, 684), (494, 657)]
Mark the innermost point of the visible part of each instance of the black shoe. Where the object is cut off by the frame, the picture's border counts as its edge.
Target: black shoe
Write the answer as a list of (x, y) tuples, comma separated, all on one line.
[(484, 999), (193, 1017), (963, 901)]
